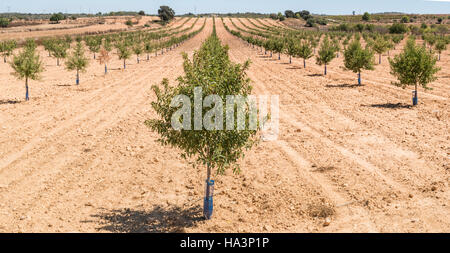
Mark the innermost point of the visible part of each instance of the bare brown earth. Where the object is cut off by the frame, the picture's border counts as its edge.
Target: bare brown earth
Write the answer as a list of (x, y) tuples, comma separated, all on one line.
[(348, 159), (77, 27)]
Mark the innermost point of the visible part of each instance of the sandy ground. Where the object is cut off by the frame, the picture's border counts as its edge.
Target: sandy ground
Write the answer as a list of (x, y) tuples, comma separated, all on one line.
[(79, 27), (348, 159)]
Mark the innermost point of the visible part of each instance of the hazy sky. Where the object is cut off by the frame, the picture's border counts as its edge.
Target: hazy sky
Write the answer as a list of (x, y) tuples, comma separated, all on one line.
[(211, 6)]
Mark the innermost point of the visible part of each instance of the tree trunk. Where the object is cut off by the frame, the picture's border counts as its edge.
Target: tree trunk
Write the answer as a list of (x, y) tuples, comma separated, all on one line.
[(208, 200), (57, 61), (379, 61), (325, 69), (415, 98), (290, 59), (94, 55), (148, 57), (26, 90)]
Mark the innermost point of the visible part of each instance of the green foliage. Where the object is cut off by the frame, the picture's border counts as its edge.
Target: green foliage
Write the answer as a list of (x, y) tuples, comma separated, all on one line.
[(398, 28), (138, 50), (27, 65), (77, 60), (4, 22), (356, 58), (327, 52), (58, 49), (405, 19), (7, 47), (414, 66), (94, 44), (380, 45), (57, 17), (289, 14), (366, 16), (304, 14), (305, 51), (212, 70), (30, 44), (129, 23), (441, 45), (166, 13)]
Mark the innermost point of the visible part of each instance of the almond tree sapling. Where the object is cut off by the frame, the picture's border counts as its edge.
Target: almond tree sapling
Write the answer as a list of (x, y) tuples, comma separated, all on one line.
[(327, 53), (441, 45), (414, 66), (305, 51), (7, 47), (77, 61), (356, 58), (27, 65), (291, 48), (148, 48), (278, 47), (59, 50), (380, 45), (94, 44), (213, 73), (105, 56), (123, 52), (137, 50)]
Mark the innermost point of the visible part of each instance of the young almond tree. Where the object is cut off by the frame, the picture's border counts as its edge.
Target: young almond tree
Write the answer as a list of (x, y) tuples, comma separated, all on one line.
[(148, 49), (105, 56), (278, 47), (211, 72), (414, 66), (356, 58), (7, 48), (291, 48), (77, 61), (380, 45), (94, 44), (27, 65), (48, 44), (327, 53), (137, 50), (123, 52), (397, 38), (441, 45), (59, 50), (305, 51)]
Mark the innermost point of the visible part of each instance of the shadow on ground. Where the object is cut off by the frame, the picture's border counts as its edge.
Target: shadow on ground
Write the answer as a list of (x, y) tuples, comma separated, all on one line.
[(344, 85), (390, 106), (158, 220), (10, 102), (295, 67)]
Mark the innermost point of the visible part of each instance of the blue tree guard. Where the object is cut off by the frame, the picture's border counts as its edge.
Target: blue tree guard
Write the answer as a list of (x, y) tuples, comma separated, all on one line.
[(359, 78), (208, 201), (415, 98)]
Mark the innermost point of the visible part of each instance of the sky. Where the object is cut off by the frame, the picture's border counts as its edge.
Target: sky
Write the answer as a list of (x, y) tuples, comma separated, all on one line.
[(210, 6)]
